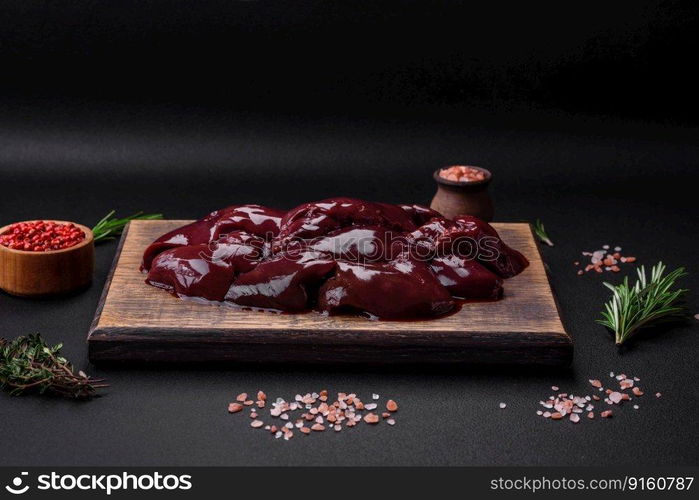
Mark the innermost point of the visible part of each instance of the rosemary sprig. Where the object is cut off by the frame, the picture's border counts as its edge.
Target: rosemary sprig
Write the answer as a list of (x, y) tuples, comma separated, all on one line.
[(29, 364), (541, 233), (632, 308), (109, 227)]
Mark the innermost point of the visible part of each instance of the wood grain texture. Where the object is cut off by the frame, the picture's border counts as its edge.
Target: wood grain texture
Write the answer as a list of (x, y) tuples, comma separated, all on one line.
[(137, 322)]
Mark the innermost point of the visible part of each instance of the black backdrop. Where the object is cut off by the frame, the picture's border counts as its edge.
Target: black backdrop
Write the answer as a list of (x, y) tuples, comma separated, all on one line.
[(628, 57), (584, 111)]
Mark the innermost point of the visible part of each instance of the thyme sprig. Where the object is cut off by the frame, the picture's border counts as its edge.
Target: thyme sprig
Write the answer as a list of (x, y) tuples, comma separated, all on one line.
[(541, 233), (28, 364), (109, 226), (633, 307)]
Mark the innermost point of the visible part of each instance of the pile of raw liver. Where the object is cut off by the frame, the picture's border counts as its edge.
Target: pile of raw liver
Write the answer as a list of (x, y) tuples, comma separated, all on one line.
[(336, 256)]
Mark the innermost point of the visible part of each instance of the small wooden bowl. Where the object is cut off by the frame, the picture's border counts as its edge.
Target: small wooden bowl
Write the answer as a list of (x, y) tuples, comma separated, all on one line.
[(463, 198), (38, 274)]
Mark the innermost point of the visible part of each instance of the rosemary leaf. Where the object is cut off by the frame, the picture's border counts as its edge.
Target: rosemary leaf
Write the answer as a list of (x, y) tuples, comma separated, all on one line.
[(647, 301), (28, 364), (541, 233), (109, 226)]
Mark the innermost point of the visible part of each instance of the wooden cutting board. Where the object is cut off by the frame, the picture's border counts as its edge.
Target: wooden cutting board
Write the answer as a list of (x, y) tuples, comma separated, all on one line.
[(136, 322)]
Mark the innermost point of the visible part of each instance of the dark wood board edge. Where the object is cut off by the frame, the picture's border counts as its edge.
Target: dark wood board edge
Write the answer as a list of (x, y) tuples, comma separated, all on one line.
[(214, 335), (132, 345), (108, 282), (119, 351)]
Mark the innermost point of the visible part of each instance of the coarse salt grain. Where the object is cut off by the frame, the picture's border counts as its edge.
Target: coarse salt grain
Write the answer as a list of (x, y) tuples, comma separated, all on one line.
[(626, 383), (371, 418), (462, 173), (615, 397), (573, 406), (605, 260), (346, 409)]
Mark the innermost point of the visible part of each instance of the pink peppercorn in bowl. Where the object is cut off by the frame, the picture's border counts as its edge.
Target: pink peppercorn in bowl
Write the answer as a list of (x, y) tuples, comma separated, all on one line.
[(45, 257)]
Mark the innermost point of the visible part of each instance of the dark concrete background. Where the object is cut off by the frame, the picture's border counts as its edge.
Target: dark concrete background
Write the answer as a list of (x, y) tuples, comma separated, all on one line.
[(163, 108), (593, 182)]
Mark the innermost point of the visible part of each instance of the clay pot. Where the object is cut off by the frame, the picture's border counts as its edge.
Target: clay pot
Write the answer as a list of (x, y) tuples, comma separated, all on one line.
[(463, 198)]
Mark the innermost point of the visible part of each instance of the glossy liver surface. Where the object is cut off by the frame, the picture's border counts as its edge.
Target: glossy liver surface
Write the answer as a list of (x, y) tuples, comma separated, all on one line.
[(335, 256)]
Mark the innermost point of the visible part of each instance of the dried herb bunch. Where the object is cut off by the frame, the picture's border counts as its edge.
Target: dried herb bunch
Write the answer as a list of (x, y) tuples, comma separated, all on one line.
[(28, 364), (648, 301)]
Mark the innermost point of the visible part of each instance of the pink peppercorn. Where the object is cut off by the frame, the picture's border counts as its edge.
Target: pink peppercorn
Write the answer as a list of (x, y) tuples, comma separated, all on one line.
[(41, 236)]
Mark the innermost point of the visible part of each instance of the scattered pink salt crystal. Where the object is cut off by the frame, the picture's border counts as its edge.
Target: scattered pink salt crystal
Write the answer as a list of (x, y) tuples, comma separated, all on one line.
[(615, 397)]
